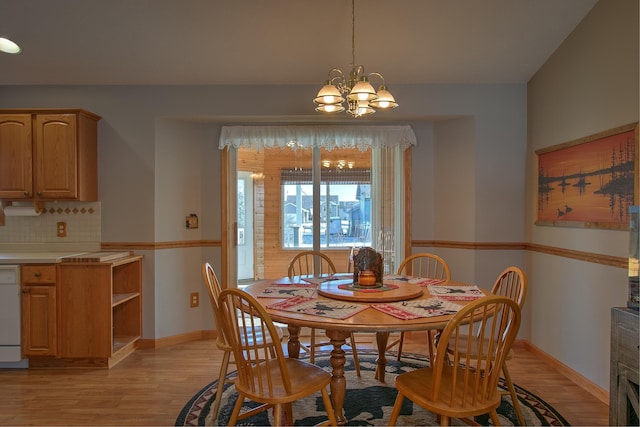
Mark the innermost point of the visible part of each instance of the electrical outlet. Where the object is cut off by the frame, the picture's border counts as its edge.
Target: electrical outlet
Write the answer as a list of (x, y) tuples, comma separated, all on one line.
[(62, 229), (195, 299)]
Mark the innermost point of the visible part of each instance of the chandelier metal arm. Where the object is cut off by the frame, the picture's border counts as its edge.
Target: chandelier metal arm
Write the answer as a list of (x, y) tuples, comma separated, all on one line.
[(377, 75)]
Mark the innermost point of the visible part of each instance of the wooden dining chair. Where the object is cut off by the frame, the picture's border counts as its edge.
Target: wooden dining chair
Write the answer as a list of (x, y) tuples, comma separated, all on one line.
[(425, 265), (312, 263), (456, 385), (214, 289), (429, 266), (272, 380), (511, 283), (315, 263)]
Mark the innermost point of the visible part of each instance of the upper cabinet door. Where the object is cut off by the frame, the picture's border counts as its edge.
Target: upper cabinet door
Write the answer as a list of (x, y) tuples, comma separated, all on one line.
[(16, 156), (56, 156)]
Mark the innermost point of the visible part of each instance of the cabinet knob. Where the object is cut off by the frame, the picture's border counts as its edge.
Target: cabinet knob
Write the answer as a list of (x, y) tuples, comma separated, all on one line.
[(37, 274), (39, 193), (25, 290), (26, 194)]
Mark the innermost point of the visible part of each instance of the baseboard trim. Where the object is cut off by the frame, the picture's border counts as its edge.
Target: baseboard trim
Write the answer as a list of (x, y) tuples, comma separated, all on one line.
[(580, 380), (176, 339)]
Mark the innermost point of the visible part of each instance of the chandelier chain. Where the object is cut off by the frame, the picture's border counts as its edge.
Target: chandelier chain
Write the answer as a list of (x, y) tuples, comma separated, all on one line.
[(353, 33)]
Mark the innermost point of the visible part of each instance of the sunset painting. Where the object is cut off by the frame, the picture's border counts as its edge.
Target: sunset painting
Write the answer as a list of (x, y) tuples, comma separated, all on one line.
[(590, 182)]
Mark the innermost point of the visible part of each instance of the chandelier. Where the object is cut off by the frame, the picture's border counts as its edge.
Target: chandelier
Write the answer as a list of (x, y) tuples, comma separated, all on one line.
[(362, 99)]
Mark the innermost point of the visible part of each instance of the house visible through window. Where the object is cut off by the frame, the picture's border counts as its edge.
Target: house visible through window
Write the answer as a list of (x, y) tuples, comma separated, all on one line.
[(344, 201)]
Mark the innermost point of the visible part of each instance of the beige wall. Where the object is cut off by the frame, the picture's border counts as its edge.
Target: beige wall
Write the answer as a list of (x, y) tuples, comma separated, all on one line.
[(589, 85)]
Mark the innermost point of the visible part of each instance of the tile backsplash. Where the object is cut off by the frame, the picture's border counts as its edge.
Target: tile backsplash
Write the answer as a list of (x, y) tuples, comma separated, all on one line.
[(82, 220)]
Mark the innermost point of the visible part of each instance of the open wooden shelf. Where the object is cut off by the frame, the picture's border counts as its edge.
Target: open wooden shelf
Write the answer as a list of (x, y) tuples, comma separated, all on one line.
[(100, 310), (122, 298)]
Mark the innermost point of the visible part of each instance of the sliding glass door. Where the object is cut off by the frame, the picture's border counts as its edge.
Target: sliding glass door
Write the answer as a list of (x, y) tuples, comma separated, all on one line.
[(288, 196)]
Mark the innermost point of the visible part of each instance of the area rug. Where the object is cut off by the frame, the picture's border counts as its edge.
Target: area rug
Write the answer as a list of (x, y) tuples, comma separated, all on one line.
[(367, 401)]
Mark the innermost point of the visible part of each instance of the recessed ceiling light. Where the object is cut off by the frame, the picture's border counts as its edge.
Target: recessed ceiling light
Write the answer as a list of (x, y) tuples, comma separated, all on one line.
[(8, 46)]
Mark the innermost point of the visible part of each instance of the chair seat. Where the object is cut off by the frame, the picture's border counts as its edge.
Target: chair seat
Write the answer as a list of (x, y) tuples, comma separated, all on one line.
[(419, 379), (305, 379)]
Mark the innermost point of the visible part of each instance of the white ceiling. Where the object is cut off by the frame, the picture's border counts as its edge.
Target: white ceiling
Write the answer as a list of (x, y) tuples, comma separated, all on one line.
[(280, 41)]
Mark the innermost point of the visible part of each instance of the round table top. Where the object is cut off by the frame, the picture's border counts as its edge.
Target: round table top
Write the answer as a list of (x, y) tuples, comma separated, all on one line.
[(367, 320)]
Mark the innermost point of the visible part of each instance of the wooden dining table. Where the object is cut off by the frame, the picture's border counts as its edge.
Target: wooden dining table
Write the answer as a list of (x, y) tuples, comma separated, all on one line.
[(275, 295)]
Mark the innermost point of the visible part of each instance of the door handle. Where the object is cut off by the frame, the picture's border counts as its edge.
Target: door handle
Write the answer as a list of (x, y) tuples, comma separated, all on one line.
[(235, 234)]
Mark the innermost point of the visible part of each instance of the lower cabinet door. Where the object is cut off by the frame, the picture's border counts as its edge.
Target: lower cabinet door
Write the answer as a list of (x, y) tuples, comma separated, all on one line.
[(39, 336)]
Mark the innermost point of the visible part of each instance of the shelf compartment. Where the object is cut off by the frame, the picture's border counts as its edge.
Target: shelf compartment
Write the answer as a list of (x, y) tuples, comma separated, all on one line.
[(122, 298)]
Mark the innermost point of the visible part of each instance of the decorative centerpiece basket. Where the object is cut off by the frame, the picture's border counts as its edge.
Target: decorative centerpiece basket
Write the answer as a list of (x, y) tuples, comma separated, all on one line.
[(367, 268)]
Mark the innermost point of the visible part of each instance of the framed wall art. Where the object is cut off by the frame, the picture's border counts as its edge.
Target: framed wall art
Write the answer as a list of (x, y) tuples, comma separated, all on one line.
[(590, 182)]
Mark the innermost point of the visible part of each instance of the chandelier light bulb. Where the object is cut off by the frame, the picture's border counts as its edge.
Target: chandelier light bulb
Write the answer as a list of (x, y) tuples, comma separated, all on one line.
[(328, 94), (330, 108), (385, 100), (362, 91)]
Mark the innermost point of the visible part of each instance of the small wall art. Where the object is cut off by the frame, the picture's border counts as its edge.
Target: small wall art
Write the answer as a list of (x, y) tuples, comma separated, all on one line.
[(590, 182)]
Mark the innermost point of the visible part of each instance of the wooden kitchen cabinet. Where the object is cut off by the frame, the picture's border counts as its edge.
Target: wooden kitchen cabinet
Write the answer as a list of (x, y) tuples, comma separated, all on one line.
[(100, 307), (48, 155), (38, 303)]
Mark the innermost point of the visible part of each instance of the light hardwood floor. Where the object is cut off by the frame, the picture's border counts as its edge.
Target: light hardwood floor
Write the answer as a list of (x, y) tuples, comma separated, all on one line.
[(150, 387)]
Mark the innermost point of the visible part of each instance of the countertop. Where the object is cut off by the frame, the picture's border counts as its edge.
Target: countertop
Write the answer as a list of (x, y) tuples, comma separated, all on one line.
[(52, 256), (35, 257)]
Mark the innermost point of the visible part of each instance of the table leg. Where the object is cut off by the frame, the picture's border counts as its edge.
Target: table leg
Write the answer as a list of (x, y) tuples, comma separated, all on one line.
[(338, 381), (382, 338), (293, 346)]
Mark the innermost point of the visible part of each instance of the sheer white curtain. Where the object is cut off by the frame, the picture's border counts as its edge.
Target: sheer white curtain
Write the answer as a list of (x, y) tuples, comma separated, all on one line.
[(388, 205), (387, 144)]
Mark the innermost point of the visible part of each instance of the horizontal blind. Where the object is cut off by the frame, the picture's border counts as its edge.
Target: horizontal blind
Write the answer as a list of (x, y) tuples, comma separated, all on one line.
[(327, 176)]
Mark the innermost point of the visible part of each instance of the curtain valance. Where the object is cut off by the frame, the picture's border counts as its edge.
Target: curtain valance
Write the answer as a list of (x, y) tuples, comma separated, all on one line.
[(324, 136)]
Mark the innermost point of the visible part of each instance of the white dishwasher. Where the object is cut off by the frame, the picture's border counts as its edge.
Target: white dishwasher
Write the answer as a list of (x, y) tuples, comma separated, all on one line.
[(10, 314)]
